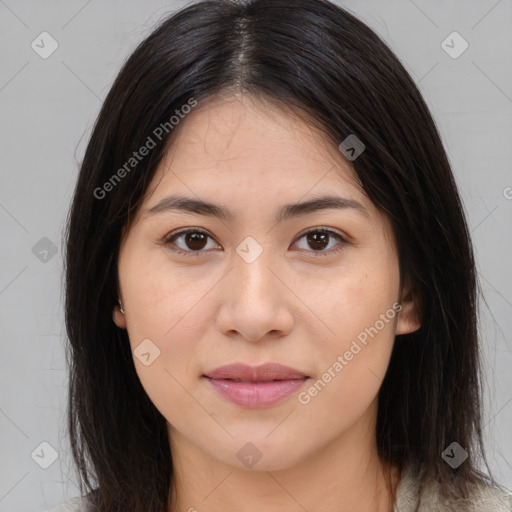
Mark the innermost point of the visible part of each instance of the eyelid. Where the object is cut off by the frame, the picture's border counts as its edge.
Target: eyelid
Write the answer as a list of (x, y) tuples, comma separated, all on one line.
[(167, 240), (344, 239)]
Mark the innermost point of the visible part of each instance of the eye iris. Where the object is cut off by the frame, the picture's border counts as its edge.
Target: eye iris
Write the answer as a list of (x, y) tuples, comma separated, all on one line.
[(195, 240), (318, 240)]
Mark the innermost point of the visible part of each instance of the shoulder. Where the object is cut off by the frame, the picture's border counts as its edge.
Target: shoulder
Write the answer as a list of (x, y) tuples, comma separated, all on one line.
[(77, 504), (411, 497), (493, 499)]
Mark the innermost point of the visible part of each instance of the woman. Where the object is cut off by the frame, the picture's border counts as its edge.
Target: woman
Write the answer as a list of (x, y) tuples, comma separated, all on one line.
[(270, 285)]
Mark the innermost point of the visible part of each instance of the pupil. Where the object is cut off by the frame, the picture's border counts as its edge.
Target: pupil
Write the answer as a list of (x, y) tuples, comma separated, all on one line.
[(318, 240), (196, 241)]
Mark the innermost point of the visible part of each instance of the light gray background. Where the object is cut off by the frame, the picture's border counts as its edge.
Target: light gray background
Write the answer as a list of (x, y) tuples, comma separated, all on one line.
[(48, 108)]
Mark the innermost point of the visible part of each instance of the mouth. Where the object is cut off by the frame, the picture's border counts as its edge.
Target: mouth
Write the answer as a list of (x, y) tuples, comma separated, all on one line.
[(264, 372), (255, 381), (255, 387)]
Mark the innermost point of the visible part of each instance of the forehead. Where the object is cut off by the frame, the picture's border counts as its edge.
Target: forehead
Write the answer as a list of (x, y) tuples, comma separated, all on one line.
[(239, 141)]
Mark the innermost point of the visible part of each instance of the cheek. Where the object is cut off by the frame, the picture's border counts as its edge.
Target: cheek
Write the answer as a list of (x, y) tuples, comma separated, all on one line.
[(170, 320), (161, 296), (351, 370), (362, 311), (163, 307), (356, 298)]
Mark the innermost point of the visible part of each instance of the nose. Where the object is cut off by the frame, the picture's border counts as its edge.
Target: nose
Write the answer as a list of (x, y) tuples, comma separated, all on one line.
[(256, 303)]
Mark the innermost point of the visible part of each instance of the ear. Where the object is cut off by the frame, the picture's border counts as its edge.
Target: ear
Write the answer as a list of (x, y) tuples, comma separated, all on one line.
[(119, 318), (410, 314)]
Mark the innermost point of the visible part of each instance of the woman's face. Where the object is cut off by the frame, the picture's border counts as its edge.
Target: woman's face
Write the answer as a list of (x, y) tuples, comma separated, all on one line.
[(257, 286)]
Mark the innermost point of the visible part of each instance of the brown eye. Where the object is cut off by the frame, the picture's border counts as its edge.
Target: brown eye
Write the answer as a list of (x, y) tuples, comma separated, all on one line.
[(193, 242), (318, 239)]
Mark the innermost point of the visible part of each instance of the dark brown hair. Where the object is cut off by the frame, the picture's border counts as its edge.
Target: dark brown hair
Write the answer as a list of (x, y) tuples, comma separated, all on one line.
[(319, 59)]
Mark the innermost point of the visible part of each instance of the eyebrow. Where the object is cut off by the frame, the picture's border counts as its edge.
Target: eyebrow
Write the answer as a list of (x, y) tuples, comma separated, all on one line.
[(200, 207)]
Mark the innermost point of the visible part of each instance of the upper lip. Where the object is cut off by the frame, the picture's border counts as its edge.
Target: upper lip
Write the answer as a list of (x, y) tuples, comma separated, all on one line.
[(264, 372)]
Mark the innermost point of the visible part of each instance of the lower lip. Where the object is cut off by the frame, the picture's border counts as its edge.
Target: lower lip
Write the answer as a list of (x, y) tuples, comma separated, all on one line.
[(254, 395)]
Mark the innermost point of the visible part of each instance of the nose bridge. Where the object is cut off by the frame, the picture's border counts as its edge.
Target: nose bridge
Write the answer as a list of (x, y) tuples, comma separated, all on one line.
[(254, 280), (254, 300)]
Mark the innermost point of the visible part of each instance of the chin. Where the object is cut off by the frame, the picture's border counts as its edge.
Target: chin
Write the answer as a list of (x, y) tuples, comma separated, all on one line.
[(260, 454)]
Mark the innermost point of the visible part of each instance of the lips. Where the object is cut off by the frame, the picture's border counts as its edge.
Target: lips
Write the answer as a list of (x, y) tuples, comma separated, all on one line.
[(255, 386), (265, 372)]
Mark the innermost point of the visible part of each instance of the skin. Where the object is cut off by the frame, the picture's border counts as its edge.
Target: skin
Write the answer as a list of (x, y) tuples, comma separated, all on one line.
[(291, 305)]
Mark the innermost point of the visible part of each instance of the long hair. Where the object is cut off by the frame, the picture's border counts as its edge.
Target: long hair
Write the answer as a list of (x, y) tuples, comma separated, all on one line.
[(319, 59)]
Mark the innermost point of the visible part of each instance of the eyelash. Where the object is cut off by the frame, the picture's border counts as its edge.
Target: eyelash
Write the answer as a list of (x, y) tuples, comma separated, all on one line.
[(169, 240)]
